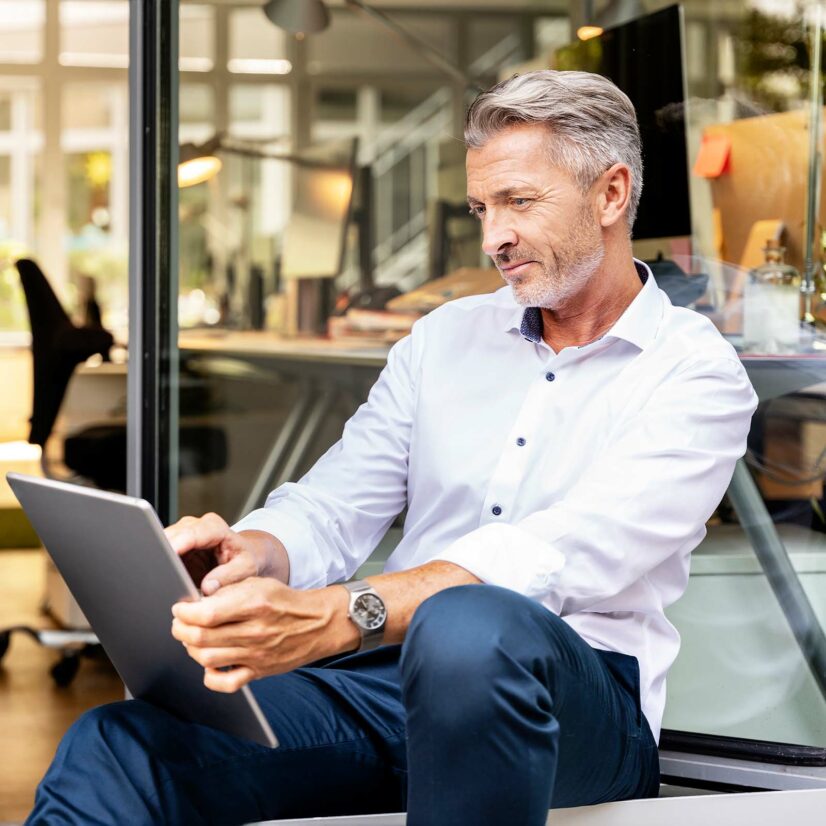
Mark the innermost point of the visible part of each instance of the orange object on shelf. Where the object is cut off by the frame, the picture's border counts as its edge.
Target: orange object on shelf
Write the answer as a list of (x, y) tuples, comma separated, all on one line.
[(714, 156)]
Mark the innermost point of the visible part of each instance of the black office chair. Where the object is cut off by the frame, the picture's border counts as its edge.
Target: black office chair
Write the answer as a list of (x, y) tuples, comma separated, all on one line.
[(58, 346)]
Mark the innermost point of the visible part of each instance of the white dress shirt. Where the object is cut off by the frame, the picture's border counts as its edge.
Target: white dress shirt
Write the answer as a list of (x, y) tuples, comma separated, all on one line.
[(582, 479)]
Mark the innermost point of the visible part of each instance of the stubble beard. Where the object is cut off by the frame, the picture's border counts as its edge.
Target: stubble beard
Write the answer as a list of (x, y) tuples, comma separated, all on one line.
[(572, 267)]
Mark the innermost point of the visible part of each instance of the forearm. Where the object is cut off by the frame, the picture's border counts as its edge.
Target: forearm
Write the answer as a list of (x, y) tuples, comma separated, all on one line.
[(402, 593)]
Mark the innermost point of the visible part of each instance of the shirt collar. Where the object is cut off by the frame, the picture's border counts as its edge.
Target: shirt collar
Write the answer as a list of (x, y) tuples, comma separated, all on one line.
[(637, 325)]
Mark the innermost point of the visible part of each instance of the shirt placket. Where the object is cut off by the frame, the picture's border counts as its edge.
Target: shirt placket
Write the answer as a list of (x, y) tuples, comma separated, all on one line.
[(521, 446)]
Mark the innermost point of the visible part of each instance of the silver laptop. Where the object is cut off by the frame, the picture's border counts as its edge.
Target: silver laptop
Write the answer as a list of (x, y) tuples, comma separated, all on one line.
[(119, 566)]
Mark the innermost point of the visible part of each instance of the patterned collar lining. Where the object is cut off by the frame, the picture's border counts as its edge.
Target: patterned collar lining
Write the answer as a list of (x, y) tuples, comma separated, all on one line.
[(531, 327)]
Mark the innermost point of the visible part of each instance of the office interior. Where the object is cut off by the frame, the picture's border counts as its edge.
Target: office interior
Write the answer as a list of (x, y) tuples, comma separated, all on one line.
[(319, 210)]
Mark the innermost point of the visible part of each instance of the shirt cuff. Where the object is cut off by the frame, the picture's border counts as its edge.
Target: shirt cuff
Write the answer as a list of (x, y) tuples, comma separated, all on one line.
[(507, 556), (307, 568)]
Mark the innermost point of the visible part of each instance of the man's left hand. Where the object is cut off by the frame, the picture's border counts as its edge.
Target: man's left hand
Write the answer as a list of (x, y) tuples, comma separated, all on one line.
[(260, 627)]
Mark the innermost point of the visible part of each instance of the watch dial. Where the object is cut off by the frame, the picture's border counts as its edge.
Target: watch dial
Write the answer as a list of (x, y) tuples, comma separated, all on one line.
[(369, 611)]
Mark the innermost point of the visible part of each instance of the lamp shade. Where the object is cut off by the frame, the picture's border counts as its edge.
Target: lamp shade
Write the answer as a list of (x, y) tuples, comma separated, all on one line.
[(298, 16), (197, 164)]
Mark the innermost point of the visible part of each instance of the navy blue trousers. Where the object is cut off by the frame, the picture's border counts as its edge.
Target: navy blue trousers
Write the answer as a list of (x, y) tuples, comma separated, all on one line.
[(492, 712)]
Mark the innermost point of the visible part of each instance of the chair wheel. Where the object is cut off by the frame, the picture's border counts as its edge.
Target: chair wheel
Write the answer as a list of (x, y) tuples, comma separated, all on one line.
[(5, 638), (65, 669)]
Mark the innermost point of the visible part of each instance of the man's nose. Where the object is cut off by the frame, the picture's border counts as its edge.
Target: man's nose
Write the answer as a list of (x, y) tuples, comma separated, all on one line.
[(497, 237)]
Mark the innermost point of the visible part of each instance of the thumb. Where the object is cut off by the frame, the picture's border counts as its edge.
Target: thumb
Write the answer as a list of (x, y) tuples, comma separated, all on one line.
[(238, 568)]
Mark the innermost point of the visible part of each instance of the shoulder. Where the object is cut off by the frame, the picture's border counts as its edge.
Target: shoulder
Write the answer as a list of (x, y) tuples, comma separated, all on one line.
[(690, 339)]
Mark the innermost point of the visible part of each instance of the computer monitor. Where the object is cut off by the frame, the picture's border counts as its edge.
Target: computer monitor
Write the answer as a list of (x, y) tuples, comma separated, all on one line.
[(645, 58), (315, 235)]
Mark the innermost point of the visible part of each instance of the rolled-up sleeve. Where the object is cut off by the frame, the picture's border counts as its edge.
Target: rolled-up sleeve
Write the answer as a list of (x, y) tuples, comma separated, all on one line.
[(646, 498)]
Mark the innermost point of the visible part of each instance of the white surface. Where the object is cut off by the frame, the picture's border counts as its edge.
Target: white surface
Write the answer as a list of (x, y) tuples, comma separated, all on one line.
[(802, 808)]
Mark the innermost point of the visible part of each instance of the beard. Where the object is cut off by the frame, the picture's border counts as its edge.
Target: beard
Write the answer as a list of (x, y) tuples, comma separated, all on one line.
[(572, 266)]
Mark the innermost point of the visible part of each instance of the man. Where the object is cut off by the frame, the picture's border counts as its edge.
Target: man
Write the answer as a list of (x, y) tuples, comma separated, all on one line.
[(559, 446)]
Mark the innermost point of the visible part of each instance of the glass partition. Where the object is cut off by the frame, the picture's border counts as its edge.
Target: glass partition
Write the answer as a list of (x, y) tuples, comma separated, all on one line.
[(753, 661), (272, 365)]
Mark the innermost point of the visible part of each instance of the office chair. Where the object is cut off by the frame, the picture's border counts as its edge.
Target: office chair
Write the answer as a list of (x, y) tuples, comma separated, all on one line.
[(58, 346)]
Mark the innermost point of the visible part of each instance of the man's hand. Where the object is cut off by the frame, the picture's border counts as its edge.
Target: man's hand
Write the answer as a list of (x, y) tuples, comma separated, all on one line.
[(238, 555), (250, 624), (260, 627)]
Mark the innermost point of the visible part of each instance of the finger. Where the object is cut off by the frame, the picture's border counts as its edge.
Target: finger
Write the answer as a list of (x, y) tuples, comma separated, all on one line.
[(228, 681), (231, 604), (229, 634), (191, 532), (218, 657), (237, 569)]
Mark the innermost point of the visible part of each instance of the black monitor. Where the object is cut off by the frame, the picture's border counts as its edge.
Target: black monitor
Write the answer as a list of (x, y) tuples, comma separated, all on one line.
[(645, 58)]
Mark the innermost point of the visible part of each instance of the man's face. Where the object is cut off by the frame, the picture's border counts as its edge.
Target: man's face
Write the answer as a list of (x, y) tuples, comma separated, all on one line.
[(538, 227)]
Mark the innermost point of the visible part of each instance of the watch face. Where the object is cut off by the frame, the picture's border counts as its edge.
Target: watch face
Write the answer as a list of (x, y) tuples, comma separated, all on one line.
[(369, 612)]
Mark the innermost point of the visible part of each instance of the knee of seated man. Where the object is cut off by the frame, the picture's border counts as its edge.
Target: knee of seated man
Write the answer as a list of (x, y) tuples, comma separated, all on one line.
[(114, 726), (471, 627)]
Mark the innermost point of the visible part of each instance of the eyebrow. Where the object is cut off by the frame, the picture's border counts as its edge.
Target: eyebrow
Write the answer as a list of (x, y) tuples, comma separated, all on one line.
[(500, 194)]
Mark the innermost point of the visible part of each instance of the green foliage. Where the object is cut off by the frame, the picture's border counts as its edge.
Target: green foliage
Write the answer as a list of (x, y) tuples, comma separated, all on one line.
[(773, 60)]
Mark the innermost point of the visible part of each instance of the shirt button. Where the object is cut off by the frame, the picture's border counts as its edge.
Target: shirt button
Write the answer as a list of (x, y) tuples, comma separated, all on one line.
[(521, 442), (496, 510), (550, 376)]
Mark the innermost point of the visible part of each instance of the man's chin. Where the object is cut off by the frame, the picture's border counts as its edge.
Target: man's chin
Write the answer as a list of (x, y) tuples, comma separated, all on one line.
[(526, 297)]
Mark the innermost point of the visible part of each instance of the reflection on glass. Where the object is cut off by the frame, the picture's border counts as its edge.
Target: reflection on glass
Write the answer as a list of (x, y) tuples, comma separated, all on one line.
[(256, 47), (21, 31), (94, 33), (740, 185), (196, 38), (751, 664)]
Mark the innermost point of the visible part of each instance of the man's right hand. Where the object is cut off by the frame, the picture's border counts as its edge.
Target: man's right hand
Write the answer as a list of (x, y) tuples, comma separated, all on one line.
[(238, 555)]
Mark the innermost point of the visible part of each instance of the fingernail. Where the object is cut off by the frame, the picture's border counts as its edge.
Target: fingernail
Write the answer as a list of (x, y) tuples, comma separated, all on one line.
[(210, 585)]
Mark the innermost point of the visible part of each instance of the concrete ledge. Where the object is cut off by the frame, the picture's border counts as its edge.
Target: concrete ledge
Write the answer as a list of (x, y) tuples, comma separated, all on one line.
[(803, 808)]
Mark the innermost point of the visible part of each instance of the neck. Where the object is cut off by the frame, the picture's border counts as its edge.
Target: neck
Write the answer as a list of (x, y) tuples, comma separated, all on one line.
[(595, 309)]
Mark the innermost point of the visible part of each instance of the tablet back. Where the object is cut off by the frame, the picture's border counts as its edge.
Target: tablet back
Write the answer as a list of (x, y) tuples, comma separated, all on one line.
[(115, 558)]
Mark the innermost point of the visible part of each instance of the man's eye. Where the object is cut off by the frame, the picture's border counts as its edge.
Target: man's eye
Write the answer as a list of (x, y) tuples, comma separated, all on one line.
[(520, 201), (478, 211)]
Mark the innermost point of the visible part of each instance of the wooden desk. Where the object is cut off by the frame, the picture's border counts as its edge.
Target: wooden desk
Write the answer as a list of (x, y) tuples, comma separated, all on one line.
[(261, 344)]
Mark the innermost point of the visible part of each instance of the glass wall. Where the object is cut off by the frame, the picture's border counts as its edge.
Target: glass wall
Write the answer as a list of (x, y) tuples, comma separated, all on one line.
[(333, 150), (275, 357), (752, 662)]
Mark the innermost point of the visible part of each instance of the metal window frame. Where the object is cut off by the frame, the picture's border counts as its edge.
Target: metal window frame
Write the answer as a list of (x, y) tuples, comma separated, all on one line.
[(152, 382)]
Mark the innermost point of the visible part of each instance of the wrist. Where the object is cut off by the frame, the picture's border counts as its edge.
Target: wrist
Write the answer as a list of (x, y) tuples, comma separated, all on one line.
[(271, 554), (345, 637)]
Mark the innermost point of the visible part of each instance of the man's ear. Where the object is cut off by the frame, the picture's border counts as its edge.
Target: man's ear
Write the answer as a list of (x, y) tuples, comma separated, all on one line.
[(613, 194)]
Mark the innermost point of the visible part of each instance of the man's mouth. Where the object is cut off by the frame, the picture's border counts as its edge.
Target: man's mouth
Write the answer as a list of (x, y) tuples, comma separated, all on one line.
[(515, 269)]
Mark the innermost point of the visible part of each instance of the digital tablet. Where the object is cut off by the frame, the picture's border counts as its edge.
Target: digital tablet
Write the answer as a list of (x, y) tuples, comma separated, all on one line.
[(114, 556)]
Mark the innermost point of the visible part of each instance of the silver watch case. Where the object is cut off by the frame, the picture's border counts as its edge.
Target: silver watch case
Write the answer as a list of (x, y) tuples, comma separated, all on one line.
[(368, 613)]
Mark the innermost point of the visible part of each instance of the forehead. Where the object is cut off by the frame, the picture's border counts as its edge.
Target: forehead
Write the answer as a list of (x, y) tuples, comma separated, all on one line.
[(518, 155)]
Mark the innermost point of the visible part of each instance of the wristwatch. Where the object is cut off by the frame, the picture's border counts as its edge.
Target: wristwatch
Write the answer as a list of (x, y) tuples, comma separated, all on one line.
[(368, 612)]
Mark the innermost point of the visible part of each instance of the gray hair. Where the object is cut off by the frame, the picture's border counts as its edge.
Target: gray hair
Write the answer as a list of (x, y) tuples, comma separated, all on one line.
[(594, 122)]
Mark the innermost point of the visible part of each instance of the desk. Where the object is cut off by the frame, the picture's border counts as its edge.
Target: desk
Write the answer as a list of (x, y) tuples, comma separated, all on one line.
[(324, 371), (257, 344)]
